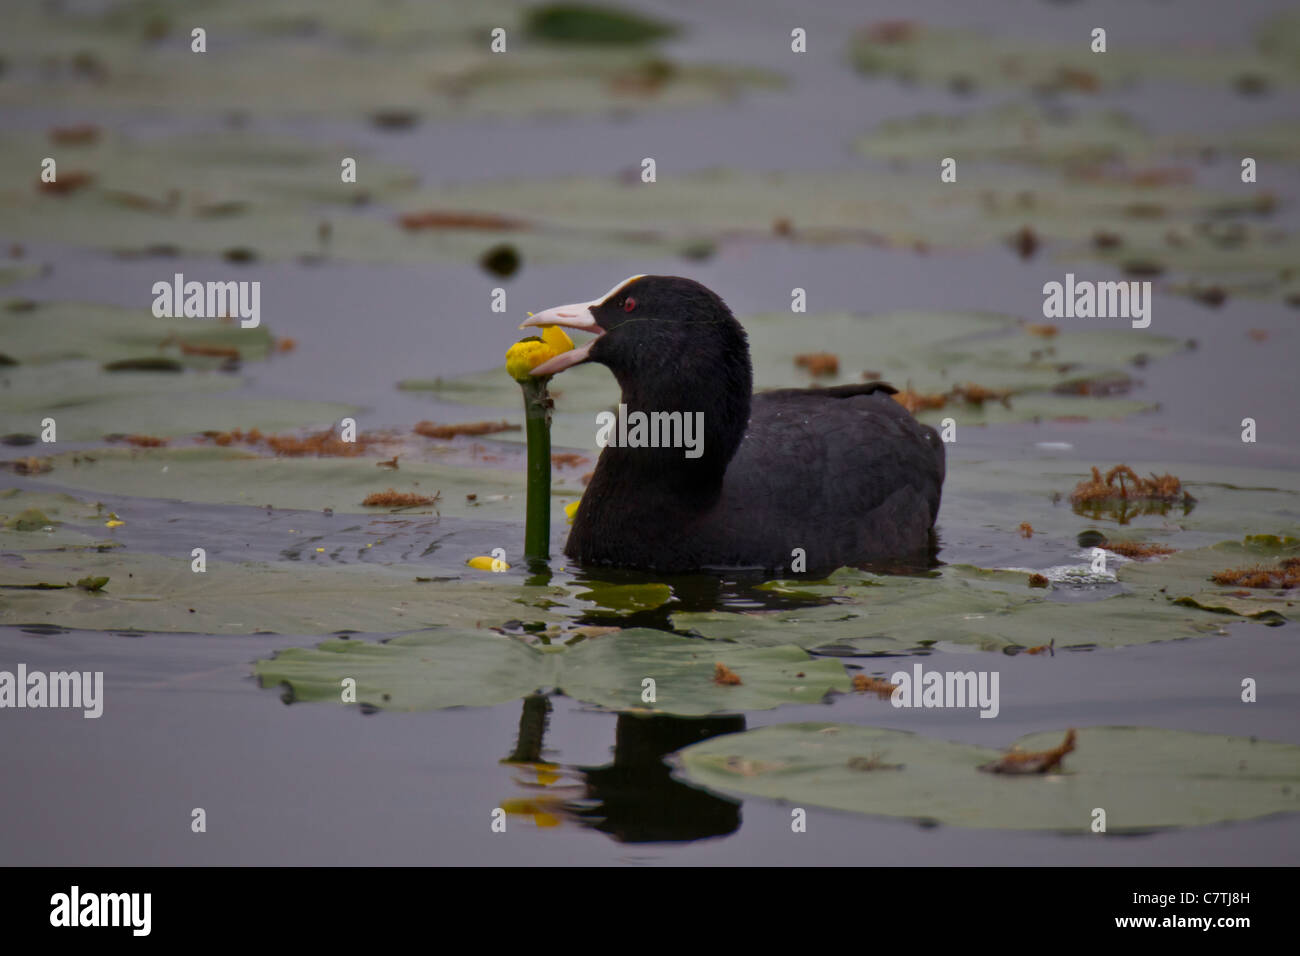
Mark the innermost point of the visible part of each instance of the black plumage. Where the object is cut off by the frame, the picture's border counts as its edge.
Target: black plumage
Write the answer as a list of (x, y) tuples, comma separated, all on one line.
[(846, 474)]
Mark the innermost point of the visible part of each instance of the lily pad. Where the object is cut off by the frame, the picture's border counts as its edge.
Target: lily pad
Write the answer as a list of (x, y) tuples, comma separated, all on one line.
[(226, 475), (433, 670), (88, 403), (959, 606), (592, 24), (164, 594), (1143, 778), (963, 60), (323, 60), (1186, 578), (55, 331), (1010, 133)]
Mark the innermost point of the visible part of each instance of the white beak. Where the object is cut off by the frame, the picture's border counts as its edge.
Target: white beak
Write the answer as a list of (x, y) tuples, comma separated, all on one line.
[(577, 316)]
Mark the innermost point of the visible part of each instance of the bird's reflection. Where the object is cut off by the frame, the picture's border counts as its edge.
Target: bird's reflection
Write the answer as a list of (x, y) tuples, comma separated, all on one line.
[(634, 799)]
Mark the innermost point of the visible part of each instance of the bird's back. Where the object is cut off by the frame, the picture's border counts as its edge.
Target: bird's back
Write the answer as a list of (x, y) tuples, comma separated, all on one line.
[(846, 474)]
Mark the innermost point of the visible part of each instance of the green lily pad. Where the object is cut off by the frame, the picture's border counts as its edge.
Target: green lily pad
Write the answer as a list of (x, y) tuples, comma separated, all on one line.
[(1143, 778), (1010, 133), (961, 606), (318, 59), (965, 59), (589, 23), (25, 516), (1237, 259), (1186, 578), (227, 475), (445, 669), (156, 593), (88, 403), (627, 598), (57, 331)]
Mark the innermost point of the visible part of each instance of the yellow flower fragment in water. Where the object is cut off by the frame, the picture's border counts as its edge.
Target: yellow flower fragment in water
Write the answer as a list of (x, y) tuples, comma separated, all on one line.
[(486, 562), (526, 355)]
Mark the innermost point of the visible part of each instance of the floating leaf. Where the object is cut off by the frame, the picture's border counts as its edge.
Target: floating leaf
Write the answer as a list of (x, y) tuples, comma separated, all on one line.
[(1144, 778), (445, 669)]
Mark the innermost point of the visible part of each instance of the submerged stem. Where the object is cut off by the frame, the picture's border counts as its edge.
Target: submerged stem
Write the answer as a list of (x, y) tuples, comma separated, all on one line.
[(537, 418)]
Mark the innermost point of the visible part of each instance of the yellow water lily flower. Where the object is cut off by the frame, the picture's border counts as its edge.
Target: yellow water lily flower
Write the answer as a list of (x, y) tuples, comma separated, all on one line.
[(527, 354)]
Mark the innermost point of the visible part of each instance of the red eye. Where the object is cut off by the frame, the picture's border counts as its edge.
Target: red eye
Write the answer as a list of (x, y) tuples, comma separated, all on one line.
[(629, 304)]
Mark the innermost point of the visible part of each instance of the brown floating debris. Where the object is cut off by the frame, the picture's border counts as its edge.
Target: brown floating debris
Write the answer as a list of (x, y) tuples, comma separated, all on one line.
[(915, 401), (1040, 761), (430, 430), (1048, 648), (1083, 80), (888, 32), (390, 463), (29, 465), (211, 351), (1138, 549), (818, 363), (440, 219), (1122, 482), (65, 184), (724, 675), (974, 394), (1026, 529), (874, 762), (140, 441), (569, 459), (1043, 329), (322, 444), (1039, 581), (392, 498), (873, 685), (1285, 575), (81, 135)]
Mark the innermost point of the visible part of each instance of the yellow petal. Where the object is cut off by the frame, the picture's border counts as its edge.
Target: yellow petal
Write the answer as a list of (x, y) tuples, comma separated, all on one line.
[(571, 509), (557, 338), (527, 354), (114, 523), (485, 562)]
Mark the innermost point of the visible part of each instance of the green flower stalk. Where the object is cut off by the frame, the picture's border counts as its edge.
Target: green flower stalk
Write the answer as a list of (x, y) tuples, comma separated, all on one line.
[(521, 359)]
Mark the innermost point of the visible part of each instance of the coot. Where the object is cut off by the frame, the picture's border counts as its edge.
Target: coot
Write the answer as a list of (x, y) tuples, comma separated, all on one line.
[(845, 474)]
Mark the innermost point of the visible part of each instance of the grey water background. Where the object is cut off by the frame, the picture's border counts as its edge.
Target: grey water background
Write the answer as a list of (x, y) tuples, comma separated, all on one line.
[(185, 725)]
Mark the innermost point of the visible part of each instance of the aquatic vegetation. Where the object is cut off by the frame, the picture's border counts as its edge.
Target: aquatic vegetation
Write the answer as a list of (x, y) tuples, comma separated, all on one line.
[(1145, 777), (1042, 761)]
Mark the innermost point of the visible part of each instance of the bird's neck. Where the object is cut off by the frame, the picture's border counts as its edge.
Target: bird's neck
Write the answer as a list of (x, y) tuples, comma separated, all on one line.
[(676, 441)]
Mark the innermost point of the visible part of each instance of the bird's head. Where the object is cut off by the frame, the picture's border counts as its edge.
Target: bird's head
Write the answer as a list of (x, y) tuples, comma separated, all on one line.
[(672, 344), (648, 327)]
